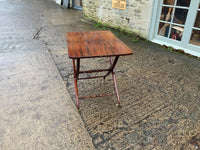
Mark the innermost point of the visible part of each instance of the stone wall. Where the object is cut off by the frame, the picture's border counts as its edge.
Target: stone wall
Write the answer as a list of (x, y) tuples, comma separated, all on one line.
[(135, 18)]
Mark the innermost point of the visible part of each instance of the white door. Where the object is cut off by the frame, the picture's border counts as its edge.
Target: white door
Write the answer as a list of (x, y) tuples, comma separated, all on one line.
[(66, 3), (177, 24)]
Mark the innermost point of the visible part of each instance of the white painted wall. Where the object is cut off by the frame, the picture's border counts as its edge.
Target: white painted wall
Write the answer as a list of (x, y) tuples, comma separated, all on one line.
[(58, 2)]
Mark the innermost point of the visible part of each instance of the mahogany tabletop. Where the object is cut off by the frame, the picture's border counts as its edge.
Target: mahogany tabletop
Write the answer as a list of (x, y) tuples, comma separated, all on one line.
[(95, 44)]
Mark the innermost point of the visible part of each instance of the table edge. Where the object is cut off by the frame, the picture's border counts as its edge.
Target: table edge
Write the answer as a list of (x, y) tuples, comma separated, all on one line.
[(83, 57), (72, 57)]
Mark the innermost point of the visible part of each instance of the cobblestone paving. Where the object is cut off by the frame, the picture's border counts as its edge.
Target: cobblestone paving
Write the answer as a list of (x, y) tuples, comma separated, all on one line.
[(159, 91)]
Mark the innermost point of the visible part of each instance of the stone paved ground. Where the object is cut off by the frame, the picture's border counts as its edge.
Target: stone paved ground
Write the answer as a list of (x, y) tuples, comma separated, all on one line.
[(159, 91), (36, 111)]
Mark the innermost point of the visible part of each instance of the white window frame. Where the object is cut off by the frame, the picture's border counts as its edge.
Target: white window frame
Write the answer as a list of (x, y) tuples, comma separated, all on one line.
[(184, 43)]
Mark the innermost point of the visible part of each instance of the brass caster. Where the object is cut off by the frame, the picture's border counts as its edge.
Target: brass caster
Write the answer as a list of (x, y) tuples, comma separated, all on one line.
[(79, 111), (104, 80), (118, 105)]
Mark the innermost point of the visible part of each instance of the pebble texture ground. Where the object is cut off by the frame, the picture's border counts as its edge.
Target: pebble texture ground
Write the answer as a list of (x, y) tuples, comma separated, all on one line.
[(36, 111), (159, 89)]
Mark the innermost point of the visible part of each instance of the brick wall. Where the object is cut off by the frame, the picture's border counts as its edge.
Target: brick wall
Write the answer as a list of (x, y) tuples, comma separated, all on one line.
[(136, 17)]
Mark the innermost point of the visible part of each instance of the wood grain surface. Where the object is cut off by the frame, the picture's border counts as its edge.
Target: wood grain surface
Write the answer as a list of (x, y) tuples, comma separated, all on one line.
[(95, 44)]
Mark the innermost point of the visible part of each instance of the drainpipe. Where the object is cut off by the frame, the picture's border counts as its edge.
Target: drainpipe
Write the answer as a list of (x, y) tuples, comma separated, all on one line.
[(69, 4)]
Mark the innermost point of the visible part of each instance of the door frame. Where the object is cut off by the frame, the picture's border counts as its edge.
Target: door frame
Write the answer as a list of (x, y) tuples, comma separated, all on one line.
[(183, 44)]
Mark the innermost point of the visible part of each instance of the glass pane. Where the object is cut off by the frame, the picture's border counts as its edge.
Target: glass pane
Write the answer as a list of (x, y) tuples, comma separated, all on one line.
[(180, 16), (163, 29), (195, 37), (176, 33), (197, 22), (169, 2), (185, 3), (166, 13)]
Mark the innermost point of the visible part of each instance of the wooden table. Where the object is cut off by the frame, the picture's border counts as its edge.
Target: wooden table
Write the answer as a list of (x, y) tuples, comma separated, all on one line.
[(92, 45)]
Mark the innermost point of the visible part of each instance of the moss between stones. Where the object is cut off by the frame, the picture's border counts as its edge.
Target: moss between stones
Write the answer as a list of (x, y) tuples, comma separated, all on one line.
[(121, 32), (180, 51)]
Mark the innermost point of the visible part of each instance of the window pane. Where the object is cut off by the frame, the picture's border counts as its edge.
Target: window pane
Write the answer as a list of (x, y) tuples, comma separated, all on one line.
[(195, 37), (169, 2), (163, 29), (185, 3), (197, 22), (180, 16), (176, 33), (166, 13)]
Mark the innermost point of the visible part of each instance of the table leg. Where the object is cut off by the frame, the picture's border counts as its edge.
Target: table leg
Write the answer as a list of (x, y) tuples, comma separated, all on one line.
[(76, 71), (75, 80), (112, 65), (78, 67), (114, 77)]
